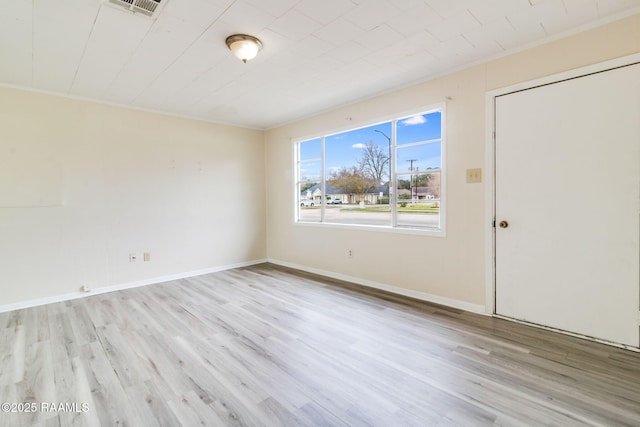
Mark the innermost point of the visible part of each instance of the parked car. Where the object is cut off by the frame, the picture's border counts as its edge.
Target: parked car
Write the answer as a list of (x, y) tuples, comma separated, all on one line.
[(334, 201), (306, 202)]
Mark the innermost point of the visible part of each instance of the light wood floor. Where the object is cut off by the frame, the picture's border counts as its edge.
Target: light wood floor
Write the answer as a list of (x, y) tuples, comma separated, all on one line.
[(267, 346)]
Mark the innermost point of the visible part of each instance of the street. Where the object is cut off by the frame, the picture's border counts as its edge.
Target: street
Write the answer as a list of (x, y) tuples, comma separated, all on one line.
[(335, 215)]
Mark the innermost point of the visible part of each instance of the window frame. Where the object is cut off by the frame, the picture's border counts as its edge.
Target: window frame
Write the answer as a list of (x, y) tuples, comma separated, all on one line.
[(393, 227)]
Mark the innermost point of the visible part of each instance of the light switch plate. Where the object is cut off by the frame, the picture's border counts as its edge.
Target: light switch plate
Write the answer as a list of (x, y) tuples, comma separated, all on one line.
[(474, 175)]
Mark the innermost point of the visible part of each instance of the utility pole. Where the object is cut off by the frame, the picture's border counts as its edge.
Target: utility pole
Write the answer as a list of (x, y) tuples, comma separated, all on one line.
[(411, 176)]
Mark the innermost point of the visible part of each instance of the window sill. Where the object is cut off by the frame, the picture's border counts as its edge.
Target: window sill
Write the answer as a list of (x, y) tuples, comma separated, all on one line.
[(433, 232)]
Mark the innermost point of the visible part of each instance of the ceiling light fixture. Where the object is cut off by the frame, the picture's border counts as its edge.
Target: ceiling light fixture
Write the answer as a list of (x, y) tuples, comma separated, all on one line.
[(243, 46)]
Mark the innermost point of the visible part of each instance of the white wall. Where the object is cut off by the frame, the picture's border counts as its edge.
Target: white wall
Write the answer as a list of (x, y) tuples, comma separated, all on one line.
[(450, 269), (100, 182), (97, 182)]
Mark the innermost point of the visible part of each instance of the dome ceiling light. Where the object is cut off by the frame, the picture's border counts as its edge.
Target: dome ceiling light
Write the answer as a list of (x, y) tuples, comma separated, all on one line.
[(244, 47)]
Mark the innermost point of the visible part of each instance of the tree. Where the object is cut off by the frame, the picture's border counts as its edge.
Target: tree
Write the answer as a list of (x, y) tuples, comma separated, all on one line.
[(434, 184), (307, 186), (374, 162), (404, 184), (421, 180), (352, 181), (430, 180)]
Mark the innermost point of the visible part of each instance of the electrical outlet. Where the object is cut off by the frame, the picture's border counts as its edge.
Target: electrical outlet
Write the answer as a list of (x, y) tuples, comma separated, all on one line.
[(146, 257), (350, 253), (474, 175), (85, 288), (133, 257)]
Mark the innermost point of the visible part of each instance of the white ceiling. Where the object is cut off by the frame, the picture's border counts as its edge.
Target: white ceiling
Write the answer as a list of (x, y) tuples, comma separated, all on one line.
[(318, 54)]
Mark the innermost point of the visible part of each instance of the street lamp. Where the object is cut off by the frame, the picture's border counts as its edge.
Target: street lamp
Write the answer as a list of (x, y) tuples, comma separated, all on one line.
[(389, 185)]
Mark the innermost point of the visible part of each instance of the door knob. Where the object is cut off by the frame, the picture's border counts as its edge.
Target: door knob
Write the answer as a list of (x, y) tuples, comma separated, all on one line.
[(504, 224)]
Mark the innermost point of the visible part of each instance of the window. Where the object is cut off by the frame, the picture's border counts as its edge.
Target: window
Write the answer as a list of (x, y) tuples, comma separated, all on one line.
[(309, 177), (387, 174)]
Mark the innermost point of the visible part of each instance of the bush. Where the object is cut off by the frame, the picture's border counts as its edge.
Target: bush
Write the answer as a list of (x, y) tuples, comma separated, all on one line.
[(403, 204)]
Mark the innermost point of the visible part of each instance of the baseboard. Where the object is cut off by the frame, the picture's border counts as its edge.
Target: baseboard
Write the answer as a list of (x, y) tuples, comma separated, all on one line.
[(449, 302), (118, 287), (569, 333)]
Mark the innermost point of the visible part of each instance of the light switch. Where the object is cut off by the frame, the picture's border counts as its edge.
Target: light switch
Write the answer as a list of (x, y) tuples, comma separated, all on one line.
[(474, 175)]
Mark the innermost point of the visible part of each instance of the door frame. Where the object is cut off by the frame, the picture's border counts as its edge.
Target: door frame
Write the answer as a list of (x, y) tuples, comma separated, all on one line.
[(490, 196)]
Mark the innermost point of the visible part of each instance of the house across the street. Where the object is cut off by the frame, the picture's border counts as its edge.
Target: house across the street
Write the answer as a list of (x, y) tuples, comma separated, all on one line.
[(371, 197)]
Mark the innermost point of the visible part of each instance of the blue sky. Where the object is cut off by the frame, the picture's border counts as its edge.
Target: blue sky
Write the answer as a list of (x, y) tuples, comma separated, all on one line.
[(344, 149)]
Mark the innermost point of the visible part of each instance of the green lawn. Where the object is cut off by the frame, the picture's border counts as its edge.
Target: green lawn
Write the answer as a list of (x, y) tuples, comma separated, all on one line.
[(416, 208)]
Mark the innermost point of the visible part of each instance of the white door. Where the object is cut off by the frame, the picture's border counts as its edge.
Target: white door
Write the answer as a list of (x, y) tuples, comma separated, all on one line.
[(567, 164)]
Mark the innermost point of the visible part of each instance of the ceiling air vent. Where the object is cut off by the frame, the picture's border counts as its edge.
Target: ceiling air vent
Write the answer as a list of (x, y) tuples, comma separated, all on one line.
[(145, 7)]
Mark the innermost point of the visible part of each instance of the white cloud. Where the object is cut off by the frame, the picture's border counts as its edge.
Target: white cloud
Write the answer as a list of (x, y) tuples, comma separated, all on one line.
[(415, 120), (359, 145)]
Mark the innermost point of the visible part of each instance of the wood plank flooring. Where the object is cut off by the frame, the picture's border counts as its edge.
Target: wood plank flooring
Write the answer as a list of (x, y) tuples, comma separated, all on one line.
[(268, 346)]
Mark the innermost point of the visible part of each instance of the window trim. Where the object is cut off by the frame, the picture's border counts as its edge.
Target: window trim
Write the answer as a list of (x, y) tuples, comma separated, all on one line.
[(393, 227)]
